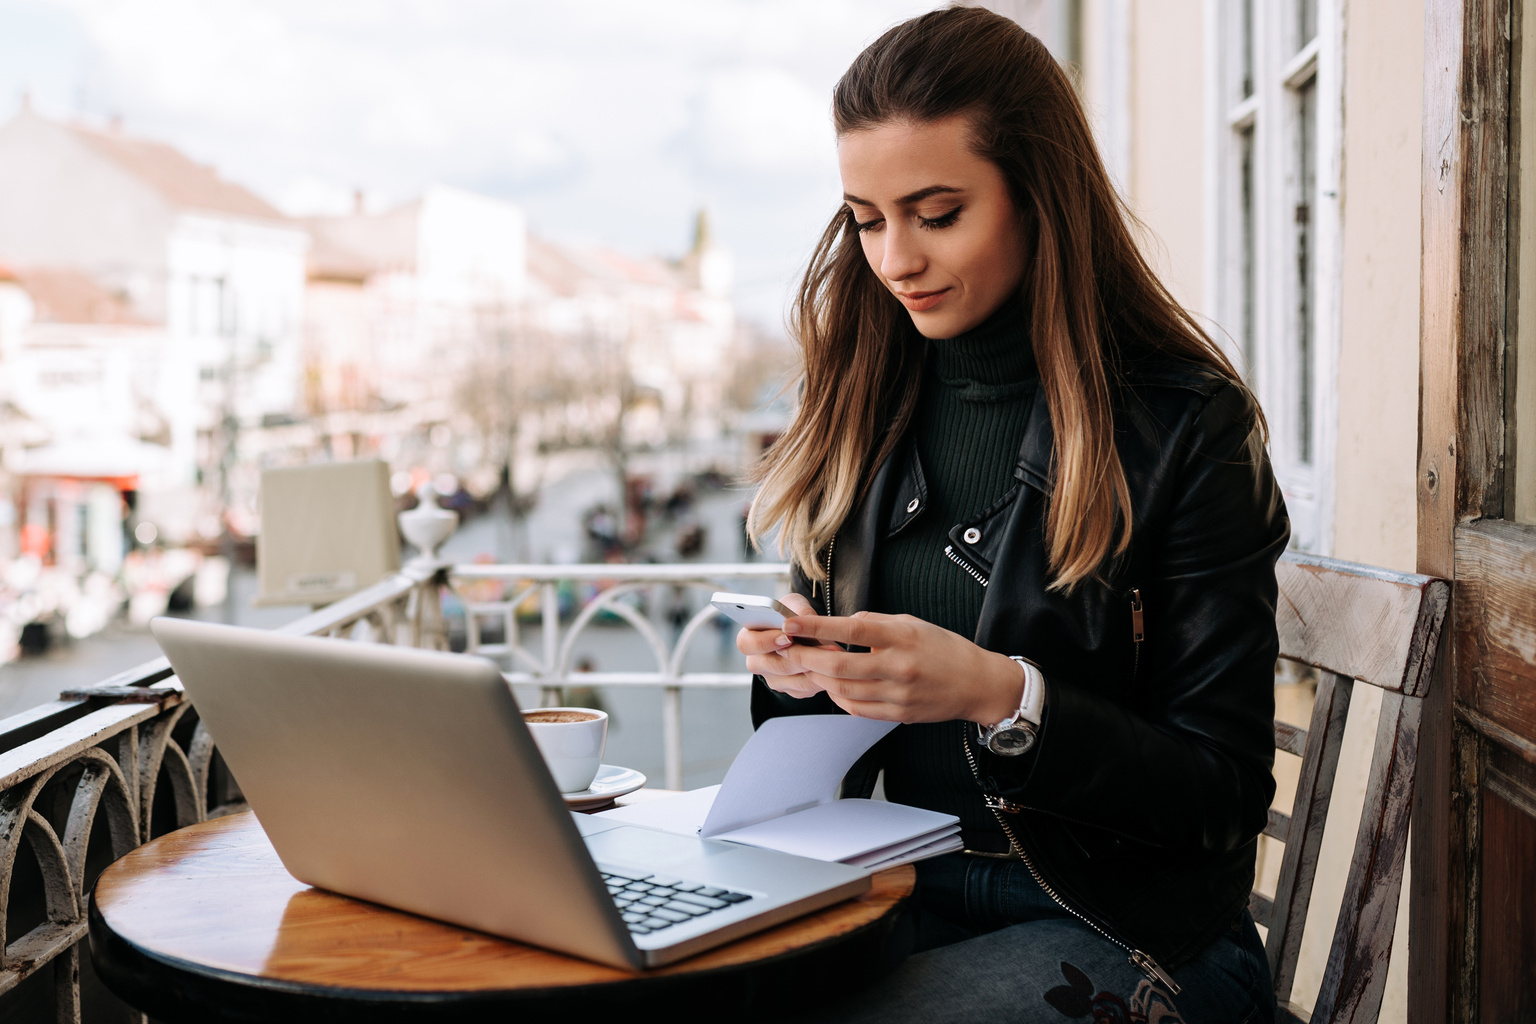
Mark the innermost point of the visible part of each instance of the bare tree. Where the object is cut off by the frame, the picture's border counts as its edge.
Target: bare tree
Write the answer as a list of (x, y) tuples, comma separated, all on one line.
[(497, 384)]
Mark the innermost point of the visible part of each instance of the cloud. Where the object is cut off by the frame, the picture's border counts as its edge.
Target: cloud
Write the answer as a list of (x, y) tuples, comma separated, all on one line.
[(764, 119), (606, 118)]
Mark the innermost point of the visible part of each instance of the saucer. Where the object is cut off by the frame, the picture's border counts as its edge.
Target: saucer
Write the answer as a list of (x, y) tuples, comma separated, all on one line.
[(611, 782)]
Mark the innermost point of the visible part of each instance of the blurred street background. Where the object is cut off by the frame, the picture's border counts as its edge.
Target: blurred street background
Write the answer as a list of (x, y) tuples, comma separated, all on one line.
[(537, 256)]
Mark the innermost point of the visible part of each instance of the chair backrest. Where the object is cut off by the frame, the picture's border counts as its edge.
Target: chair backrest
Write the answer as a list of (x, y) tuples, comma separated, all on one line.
[(1353, 623)]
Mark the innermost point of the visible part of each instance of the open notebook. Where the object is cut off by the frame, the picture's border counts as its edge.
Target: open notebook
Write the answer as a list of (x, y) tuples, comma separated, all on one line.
[(781, 794)]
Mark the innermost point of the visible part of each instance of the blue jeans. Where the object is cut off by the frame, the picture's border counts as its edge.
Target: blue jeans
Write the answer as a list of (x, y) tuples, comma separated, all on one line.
[(990, 946)]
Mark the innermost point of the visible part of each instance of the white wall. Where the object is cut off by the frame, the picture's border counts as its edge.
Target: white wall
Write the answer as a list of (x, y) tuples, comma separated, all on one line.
[(1375, 516), (1166, 177)]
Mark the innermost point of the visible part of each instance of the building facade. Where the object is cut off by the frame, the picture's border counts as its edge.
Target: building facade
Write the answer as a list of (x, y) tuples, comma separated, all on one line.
[(444, 317), (1271, 154), (215, 266)]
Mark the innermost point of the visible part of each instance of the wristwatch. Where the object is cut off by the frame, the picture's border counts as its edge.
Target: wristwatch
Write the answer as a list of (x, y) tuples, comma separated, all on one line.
[(1016, 734)]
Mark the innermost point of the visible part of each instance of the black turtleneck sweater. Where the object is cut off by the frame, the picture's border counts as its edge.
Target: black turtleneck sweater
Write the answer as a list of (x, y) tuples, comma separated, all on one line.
[(968, 427)]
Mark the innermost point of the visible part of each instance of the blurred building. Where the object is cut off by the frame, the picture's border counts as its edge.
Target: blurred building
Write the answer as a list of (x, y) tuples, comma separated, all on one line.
[(82, 432), (669, 323), (443, 335), (396, 300), (175, 247), (171, 331)]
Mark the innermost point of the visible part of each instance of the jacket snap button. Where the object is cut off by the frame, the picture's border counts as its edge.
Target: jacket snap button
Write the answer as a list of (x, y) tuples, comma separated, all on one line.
[(911, 506), (972, 535)]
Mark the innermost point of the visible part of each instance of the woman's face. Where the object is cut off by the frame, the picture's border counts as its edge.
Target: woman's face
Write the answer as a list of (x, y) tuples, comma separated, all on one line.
[(938, 225)]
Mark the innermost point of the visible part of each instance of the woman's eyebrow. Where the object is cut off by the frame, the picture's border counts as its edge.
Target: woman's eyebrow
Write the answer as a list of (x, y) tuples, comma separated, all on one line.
[(911, 197)]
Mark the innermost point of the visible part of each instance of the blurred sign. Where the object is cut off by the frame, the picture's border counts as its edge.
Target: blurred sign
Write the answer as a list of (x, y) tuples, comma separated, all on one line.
[(326, 531)]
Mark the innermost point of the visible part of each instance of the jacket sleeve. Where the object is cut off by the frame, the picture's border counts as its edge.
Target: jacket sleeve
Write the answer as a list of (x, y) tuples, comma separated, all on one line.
[(1186, 761)]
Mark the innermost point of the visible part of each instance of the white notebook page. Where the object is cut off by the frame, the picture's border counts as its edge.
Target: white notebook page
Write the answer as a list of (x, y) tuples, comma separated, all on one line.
[(842, 829), (789, 764)]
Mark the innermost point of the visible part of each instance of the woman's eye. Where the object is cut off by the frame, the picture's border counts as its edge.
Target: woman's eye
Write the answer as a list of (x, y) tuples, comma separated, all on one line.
[(942, 221), (868, 225)]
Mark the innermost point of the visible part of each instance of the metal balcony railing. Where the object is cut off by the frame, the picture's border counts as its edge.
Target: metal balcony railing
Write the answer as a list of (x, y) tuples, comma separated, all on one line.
[(86, 778), (552, 665)]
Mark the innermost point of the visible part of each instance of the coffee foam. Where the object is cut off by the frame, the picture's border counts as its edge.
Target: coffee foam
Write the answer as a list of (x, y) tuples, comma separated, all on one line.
[(546, 717)]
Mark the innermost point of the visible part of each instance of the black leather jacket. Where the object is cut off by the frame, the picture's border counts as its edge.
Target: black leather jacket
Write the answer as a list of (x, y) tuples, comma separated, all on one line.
[(1141, 803)]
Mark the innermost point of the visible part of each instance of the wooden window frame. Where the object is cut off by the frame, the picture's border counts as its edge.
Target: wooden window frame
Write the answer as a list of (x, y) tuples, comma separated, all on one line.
[(1280, 68)]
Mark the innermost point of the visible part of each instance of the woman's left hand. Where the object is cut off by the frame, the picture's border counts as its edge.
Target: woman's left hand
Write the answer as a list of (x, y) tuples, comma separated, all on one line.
[(914, 671)]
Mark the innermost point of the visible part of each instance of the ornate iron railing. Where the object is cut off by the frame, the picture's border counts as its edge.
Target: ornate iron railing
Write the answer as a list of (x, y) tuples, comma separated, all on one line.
[(86, 778)]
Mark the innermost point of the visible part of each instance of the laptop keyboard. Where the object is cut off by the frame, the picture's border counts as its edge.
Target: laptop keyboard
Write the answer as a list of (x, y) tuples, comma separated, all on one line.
[(650, 903)]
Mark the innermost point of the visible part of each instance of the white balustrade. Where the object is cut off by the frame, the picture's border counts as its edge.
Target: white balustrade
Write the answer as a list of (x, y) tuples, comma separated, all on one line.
[(551, 666)]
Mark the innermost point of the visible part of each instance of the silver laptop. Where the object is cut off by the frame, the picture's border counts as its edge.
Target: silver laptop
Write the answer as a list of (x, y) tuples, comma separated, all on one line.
[(408, 778)]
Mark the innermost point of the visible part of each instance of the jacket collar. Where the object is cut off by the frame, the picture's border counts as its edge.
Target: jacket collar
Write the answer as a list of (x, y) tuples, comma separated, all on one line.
[(887, 508), (1034, 465)]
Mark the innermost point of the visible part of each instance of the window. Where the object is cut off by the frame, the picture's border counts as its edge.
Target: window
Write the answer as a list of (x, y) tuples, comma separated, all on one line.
[(210, 308), (1275, 139)]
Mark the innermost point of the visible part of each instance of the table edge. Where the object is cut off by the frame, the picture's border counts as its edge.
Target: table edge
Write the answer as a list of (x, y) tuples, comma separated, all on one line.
[(107, 945)]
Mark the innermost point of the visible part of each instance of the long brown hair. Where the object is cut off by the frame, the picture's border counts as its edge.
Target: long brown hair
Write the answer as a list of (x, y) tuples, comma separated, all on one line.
[(1088, 294)]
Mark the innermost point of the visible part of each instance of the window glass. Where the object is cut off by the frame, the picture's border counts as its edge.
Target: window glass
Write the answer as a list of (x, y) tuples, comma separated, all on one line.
[(1247, 47), (1304, 328), (1306, 22), (1275, 283), (1247, 303)]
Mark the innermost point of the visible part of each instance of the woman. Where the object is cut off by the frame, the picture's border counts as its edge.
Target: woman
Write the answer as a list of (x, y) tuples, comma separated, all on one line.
[(1031, 518)]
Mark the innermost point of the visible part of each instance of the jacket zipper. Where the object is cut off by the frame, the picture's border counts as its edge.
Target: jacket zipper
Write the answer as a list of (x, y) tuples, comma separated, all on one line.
[(976, 574), (830, 544), (997, 805), (1138, 632)]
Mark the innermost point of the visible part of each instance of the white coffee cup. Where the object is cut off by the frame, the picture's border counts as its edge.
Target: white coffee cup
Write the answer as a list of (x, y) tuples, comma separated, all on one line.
[(572, 741)]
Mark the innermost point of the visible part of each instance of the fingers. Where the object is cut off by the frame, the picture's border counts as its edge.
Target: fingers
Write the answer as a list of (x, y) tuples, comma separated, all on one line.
[(772, 664), (797, 686), (867, 629), (875, 709), (798, 604), (760, 641), (798, 694), (835, 662), (876, 690)]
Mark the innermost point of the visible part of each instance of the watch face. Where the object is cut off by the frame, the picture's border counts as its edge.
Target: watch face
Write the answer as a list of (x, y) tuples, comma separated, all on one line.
[(1012, 741)]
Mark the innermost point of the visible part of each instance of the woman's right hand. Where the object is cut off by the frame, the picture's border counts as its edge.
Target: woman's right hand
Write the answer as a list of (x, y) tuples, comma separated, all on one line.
[(762, 647)]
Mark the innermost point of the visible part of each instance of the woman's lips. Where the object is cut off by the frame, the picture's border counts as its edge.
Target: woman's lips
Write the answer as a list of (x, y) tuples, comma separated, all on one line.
[(919, 302)]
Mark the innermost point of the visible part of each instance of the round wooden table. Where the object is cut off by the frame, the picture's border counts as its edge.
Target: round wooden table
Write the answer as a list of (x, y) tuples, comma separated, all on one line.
[(205, 924)]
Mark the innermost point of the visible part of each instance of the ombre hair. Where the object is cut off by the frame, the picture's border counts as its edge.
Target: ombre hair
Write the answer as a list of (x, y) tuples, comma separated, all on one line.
[(1089, 297)]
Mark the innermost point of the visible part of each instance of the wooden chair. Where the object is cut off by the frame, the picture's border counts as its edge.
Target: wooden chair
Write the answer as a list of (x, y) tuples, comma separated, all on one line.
[(1353, 623)]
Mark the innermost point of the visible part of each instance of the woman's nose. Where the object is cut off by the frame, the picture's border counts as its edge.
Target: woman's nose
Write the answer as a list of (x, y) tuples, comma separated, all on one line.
[(903, 255)]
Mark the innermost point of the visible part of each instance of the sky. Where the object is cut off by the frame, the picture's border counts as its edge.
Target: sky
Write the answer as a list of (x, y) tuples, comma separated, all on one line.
[(608, 121)]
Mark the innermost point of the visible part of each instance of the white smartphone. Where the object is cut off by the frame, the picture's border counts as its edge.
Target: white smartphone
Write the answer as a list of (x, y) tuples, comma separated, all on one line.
[(755, 612)]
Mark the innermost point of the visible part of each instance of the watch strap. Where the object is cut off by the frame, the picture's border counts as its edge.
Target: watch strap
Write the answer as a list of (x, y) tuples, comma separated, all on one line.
[(1032, 704)]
